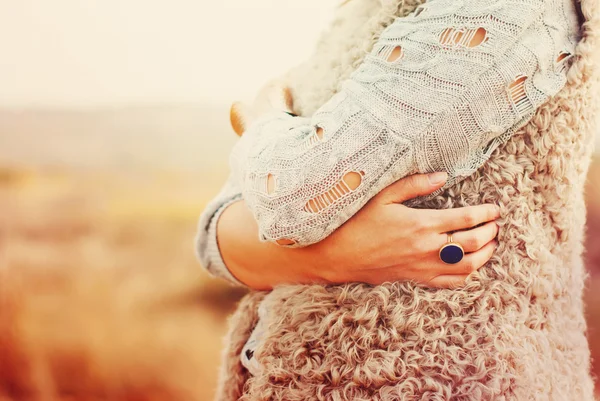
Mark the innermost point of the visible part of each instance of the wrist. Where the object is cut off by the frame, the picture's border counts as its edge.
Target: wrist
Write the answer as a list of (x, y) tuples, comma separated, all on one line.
[(324, 258), (225, 237), (263, 265)]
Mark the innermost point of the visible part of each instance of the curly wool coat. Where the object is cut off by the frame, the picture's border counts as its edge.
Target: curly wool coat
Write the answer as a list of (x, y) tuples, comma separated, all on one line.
[(515, 332)]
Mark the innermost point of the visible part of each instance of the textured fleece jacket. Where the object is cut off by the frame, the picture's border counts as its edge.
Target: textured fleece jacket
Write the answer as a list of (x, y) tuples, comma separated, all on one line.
[(516, 331)]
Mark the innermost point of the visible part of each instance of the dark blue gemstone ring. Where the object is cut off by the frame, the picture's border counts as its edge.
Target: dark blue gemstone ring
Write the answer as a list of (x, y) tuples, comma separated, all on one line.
[(451, 252)]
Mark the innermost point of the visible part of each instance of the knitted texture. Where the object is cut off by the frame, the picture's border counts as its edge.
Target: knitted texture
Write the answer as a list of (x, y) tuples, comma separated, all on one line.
[(515, 332), (206, 246), (439, 91)]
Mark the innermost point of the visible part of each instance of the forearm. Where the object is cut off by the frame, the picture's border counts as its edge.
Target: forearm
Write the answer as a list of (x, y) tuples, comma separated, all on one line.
[(262, 265), (431, 96)]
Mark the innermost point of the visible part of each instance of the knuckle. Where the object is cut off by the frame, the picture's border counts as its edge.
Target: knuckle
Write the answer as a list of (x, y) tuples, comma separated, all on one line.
[(475, 242), (414, 221), (470, 266), (428, 247), (492, 212), (418, 245), (423, 245), (423, 223), (469, 219)]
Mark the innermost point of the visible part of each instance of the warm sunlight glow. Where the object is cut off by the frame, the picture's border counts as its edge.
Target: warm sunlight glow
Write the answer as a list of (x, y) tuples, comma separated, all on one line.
[(77, 53)]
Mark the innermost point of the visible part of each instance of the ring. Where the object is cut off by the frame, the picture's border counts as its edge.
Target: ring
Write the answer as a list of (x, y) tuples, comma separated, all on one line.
[(451, 252)]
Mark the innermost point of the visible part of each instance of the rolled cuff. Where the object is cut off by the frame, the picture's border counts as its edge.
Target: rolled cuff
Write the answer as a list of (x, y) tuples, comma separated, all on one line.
[(207, 247)]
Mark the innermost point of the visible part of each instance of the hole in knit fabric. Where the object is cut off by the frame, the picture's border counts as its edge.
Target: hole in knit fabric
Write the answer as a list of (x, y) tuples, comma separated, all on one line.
[(395, 55), (418, 11), (313, 138), (319, 132), (562, 60), (347, 184), (453, 37), (270, 184), (518, 94), (562, 56), (285, 241)]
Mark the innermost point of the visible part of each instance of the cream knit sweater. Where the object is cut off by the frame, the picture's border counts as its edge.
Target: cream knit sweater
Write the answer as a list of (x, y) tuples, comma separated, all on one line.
[(439, 91), (479, 352)]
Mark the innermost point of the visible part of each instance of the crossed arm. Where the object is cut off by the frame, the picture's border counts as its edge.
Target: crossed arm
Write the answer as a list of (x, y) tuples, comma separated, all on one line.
[(440, 91)]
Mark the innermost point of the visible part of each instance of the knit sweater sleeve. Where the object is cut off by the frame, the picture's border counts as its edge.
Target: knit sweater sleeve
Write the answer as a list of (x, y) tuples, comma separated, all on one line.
[(440, 90), (206, 244)]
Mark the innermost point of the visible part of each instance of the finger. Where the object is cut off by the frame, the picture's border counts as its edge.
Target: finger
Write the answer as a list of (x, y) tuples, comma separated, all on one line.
[(470, 263), (240, 117), (473, 239), (462, 218), (412, 186), (288, 97), (276, 96), (448, 281), (280, 98)]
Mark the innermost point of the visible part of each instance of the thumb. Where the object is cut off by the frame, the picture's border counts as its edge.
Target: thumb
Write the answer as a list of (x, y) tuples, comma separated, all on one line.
[(413, 186), (281, 98), (240, 117), (274, 96)]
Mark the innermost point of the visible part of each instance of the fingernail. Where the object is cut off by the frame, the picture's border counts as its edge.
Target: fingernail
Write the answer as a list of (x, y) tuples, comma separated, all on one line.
[(437, 178)]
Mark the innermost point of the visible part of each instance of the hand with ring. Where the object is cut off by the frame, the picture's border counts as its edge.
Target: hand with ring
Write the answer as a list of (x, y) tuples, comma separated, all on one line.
[(385, 241), (451, 252)]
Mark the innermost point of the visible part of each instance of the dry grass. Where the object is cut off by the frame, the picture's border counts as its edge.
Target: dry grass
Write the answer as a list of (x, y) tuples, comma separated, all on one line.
[(101, 296)]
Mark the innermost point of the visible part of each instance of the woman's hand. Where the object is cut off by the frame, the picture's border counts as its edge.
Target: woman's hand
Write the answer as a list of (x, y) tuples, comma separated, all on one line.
[(385, 241), (275, 95)]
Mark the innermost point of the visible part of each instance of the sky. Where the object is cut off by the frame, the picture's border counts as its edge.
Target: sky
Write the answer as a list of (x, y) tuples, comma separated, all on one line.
[(91, 53)]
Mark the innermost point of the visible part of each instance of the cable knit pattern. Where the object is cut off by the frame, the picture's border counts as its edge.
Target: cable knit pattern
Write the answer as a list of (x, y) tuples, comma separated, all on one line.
[(515, 332), (439, 91)]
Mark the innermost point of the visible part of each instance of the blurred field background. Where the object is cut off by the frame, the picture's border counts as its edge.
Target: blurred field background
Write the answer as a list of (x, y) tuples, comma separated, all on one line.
[(102, 178)]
